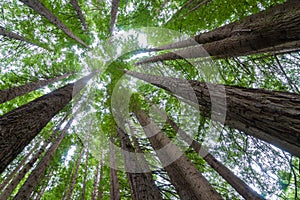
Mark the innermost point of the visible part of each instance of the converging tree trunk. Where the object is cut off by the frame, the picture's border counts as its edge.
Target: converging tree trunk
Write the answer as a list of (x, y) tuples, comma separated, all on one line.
[(114, 182), (188, 181), (255, 34), (268, 115), (141, 187), (41, 9), (14, 183), (21, 125), (12, 35), (240, 186), (79, 13), (85, 175), (30, 183), (11, 93), (114, 15)]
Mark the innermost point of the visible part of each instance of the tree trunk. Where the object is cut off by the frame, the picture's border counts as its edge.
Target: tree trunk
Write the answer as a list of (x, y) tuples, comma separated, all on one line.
[(79, 13), (30, 183), (11, 93), (114, 183), (15, 36), (21, 164), (96, 180), (282, 26), (240, 186), (141, 187), (188, 181), (46, 180), (114, 15), (268, 115), (256, 22), (19, 126), (14, 183), (74, 179), (85, 175), (41, 9)]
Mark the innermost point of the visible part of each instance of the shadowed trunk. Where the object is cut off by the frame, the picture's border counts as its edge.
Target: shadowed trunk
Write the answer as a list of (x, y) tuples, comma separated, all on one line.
[(240, 186), (114, 182), (41, 9), (275, 32), (85, 175), (74, 179), (253, 23), (114, 15), (188, 181), (14, 183), (11, 93), (268, 115), (30, 183), (19, 126), (79, 13), (141, 187)]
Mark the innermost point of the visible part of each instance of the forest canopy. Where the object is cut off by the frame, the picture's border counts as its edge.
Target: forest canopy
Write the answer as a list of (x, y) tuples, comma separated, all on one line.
[(182, 99)]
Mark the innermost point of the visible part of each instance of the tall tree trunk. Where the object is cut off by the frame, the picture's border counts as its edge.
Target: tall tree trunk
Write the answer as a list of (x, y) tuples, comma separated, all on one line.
[(268, 115), (21, 164), (254, 23), (14, 183), (188, 181), (114, 15), (15, 36), (79, 13), (96, 179), (11, 93), (74, 179), (141, 187), (30, 183), (276, 29), (114, 183), (44, 186), (19, 126), (240, 186), (41, 9), (85, 175)]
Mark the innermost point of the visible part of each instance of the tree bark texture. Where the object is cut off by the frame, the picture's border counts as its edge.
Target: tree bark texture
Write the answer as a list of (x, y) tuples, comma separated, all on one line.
[(79, 13), (141, 187), (114, 182), (267, 115), (30, 183), (276, 28), (114, 15), (240, 186), (188, 181), (11, 93), (19, 126)]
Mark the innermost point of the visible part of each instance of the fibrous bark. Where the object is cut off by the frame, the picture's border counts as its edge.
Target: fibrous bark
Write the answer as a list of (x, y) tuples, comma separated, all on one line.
[(141, 186), (19, 126), (240, 186), (188, 181), (268, 115), (277, 30), (30, 183)]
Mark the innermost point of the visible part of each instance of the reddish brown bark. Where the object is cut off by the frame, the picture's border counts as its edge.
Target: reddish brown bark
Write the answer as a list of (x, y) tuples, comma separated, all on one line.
[(141, 187), (268, 115), (41, 9), (21, 125), (188, 181), (26, 189), (11, 93), (276, 29), (240, 186)]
